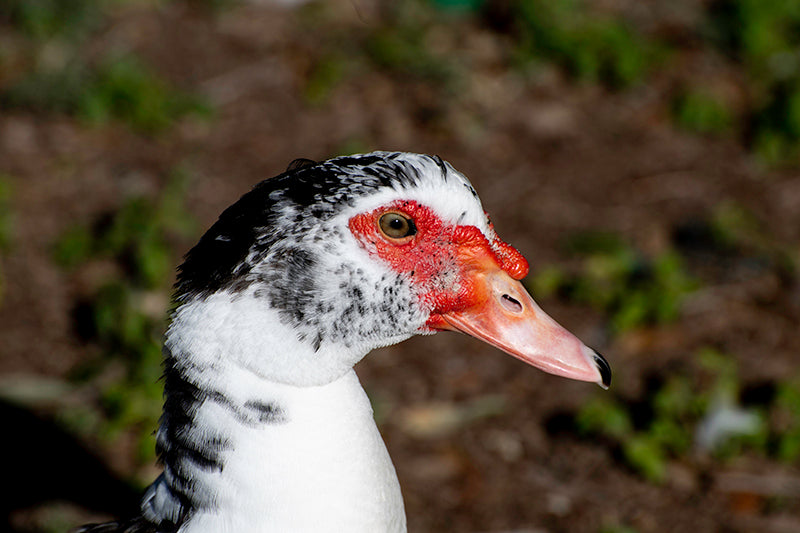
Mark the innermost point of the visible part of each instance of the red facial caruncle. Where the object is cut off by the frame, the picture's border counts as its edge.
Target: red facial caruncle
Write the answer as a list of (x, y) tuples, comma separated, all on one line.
[(470, 283), (437, 257)]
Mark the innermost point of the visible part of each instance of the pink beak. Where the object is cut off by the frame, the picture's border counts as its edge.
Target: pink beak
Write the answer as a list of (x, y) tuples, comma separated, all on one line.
[(506, 316)]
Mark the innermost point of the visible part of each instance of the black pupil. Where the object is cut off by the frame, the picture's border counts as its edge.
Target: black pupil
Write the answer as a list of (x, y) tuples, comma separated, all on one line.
[(397, 226)]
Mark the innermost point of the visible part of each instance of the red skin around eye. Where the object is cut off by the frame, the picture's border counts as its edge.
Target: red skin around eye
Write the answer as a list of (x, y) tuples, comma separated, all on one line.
[(439, 257)]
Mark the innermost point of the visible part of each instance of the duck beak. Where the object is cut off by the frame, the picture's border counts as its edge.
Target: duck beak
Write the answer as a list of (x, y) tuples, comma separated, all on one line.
[(504, 315)]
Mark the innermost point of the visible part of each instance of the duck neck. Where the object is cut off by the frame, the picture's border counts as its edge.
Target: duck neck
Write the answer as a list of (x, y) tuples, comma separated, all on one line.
[(243, 451)]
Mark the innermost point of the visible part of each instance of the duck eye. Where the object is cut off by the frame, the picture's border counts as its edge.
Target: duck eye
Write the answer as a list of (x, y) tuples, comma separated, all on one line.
[(396, 226)]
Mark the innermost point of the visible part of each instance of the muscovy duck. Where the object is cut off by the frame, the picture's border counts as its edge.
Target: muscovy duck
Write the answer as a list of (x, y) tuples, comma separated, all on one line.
[(265, 426)]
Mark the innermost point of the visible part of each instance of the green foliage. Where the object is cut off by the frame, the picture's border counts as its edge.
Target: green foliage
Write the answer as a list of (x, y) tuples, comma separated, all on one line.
[(605, 417), (756, 31), (5, 223), (646, 455), (397, 43), (115, 88), (121, 89), (702, 112), (632, 289), (43, 19), (215, 6), (125, 315), (325, 74), (353, 145), (736, 231), (591, 47), (663, 424), (763, 37), (401, 46), (48, 91), (463, 6), (673, 408), (136, 236), (787, 406), (5, 212), (75, 246), (732, 226), (127, 90), (776, 123)]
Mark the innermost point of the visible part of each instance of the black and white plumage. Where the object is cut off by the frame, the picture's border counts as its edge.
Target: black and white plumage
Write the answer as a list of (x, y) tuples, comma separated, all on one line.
[(265, 425)]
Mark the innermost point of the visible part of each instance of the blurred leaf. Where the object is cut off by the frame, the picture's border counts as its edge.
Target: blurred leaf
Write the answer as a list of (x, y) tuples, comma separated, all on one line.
[(605, 417), (676, 399), (595, 242), (42, 19), (216, 6), (690, 412), (326, 73), (75, 246), (403, 50), (119, 89), (464, 6), (633, 290), (647, 456), (56, 91), (723, 370), (6, 222), (735, 227), (702, 112), (547, 281), (127, 90), (673, 435), (126, 315), (787, 404), (401, 45), (591, 47), (763, 38)]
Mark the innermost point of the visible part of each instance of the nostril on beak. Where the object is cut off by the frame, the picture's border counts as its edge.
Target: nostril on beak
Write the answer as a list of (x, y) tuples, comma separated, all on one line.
[(511, 304)]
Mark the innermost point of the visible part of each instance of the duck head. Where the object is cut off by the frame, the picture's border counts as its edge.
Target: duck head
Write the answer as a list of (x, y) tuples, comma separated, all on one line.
[(331, 260)]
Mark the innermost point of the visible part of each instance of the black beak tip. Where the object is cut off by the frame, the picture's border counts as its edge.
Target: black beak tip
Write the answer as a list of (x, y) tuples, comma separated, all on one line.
[(604, 368)]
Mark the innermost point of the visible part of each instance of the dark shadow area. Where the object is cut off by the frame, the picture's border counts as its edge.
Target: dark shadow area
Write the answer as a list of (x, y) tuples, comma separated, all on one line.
[(45, 464)]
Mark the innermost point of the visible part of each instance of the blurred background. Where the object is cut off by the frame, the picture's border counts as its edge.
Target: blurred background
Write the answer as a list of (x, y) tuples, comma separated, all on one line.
[(643, 156)]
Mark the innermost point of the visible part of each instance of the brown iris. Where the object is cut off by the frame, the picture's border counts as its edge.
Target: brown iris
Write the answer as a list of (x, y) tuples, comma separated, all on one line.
[(396, 226)]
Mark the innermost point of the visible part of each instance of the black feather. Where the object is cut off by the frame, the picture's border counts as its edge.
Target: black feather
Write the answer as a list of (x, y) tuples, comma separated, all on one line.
[(137, 525), (313, 193), (300, 163)]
